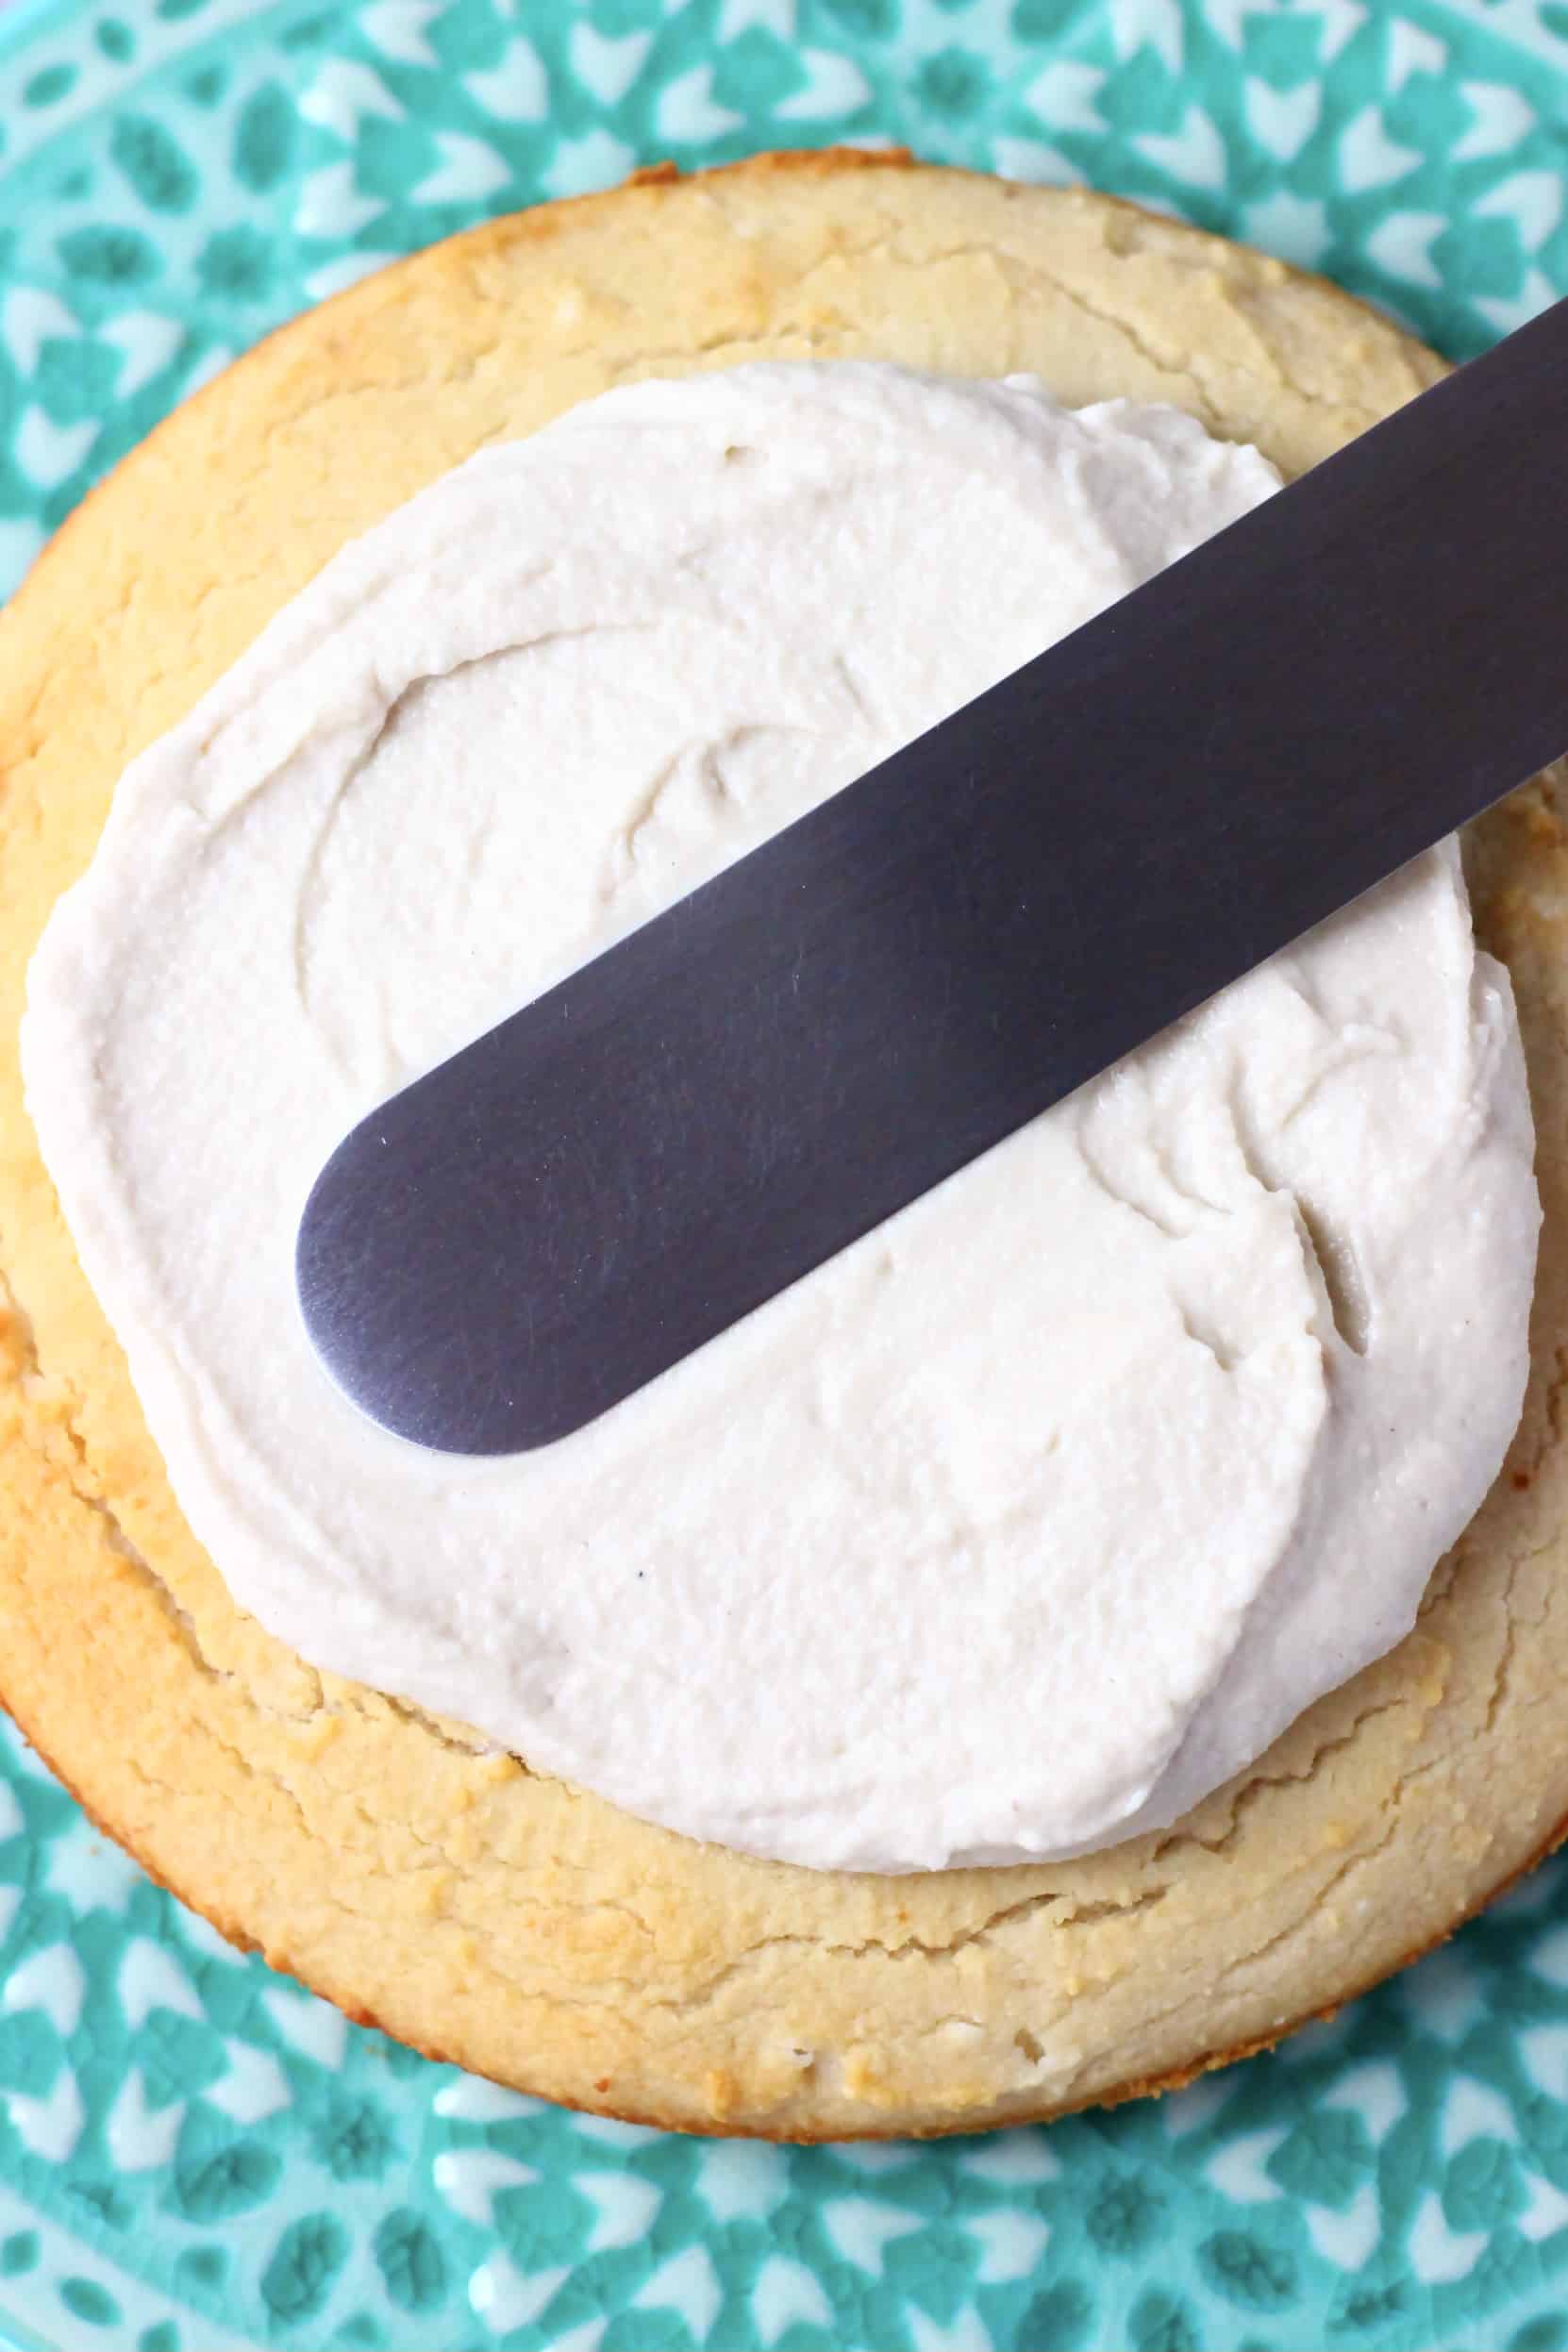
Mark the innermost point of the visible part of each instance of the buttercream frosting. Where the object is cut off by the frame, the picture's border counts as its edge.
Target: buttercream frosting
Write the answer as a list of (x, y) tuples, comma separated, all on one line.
[(1027, 1520)]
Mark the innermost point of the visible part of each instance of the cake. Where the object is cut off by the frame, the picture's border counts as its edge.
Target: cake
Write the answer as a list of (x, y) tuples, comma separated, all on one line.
[(394, 1860)]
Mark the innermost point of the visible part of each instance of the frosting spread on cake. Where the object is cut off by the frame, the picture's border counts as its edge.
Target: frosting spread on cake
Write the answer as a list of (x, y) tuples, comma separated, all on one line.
[(1026, 1521)]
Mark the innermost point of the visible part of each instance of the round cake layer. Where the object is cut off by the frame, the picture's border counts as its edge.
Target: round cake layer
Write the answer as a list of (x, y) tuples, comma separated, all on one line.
[(500, 1917)]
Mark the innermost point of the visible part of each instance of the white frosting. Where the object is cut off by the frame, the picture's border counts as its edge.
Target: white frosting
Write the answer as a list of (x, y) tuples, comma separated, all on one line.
[(1027, 1520)]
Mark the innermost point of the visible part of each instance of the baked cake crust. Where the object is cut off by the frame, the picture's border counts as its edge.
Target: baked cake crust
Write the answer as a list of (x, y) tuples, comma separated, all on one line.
[(515, 1925)]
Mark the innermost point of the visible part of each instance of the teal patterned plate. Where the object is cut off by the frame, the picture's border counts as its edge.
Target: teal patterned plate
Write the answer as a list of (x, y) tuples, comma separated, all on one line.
[(196, 2156)]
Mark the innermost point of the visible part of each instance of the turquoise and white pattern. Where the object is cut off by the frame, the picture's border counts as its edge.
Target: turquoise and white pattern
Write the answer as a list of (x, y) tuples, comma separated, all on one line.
[(196, 2156)]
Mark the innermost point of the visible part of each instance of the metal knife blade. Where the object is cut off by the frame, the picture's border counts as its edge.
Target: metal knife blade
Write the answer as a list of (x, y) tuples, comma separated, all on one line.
[(751, 1081)]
